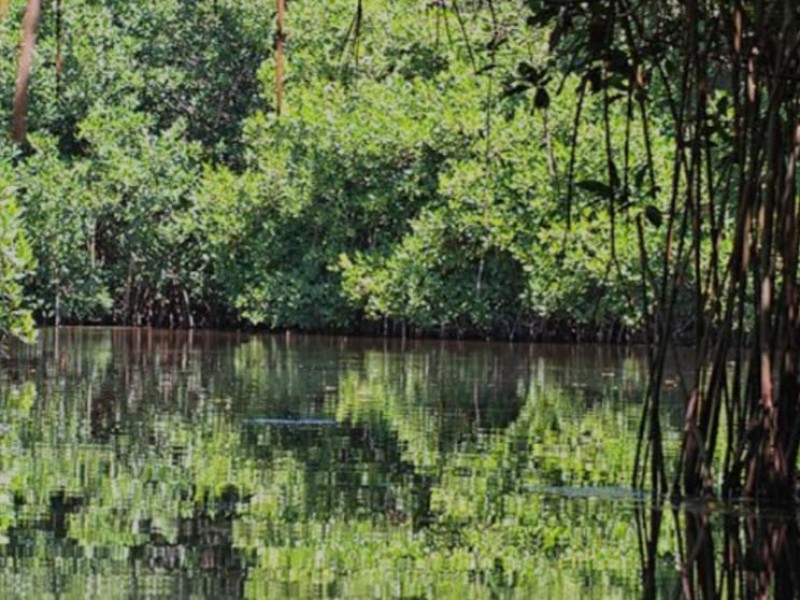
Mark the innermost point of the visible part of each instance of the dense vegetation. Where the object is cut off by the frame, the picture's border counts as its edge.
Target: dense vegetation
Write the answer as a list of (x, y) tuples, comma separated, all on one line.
[(727, 71), (511, 168), (417, 179)]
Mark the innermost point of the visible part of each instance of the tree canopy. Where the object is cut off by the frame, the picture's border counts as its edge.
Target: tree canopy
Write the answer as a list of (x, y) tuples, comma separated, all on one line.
[(415, 180)]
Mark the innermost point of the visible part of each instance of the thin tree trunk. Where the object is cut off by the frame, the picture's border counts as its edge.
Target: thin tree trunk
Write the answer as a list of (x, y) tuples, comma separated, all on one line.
[(30, 25)]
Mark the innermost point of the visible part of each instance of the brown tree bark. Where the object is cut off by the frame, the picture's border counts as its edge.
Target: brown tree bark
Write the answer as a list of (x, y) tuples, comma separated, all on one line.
[(30, 25)]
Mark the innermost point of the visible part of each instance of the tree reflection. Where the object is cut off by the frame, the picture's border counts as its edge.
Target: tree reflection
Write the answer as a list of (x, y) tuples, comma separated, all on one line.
[(723, 553), (174, 464)]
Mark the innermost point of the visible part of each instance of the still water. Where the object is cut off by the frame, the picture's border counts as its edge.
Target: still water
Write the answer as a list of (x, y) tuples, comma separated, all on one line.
[(154, 464)]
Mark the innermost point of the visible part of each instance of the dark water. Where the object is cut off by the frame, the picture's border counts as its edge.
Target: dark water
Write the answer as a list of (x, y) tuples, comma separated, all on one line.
[(151, 464)]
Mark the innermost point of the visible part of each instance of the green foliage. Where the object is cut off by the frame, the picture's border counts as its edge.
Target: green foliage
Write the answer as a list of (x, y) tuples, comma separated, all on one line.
[(169, 59), (418, 196), (114, 232), (60, 218), (147, 90), (15, 258), (148, 238), (417, 177)]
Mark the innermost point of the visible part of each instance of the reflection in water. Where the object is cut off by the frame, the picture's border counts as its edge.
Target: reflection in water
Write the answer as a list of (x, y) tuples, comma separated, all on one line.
[(154, 464), (739, 552)]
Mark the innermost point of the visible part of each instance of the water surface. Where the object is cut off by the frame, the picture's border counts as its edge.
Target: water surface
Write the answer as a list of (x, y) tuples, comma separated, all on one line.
[(155, 464)]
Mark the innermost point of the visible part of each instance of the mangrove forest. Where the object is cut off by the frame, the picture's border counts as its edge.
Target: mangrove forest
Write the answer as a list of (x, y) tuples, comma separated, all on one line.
[(400, 299)]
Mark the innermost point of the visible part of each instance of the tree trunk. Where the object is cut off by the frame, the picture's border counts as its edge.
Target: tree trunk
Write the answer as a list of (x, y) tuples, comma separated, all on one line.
[(30, 25)]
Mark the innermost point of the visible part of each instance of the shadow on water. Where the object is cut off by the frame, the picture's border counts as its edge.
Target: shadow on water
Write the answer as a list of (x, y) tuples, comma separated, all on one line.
[(156, 464)]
